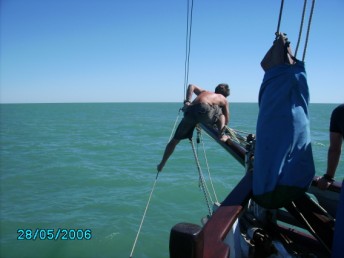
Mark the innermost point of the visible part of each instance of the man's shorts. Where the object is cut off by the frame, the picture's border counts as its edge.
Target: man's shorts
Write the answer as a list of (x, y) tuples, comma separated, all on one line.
[(199, 113)]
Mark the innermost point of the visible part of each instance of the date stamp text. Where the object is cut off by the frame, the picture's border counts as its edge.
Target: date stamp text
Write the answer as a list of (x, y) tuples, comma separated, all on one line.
[(54, 234)]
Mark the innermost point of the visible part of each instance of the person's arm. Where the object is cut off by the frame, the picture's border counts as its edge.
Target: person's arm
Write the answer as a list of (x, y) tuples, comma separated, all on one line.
[(192, 89), (334, 152), (225, 111), (333, 157)]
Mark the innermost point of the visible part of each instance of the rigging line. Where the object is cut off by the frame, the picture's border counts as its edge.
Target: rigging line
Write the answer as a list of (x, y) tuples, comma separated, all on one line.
[(279, 18), (201, 176), (206, 161), (186, 47), (174, 126), (143, 217), (239, 131), (308, 30), (310, 228), (301, 27), (150, 196), (202, 183), (188, 44)]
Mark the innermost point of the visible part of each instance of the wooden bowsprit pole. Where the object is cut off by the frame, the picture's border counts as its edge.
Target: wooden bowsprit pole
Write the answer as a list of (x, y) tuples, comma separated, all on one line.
[(144, 215)]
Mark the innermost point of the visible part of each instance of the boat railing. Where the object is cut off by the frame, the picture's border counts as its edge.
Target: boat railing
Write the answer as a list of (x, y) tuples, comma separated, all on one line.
[(208, 241)]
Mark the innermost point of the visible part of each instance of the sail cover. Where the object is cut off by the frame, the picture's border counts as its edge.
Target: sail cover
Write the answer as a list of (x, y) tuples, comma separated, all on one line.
[(283, 162)]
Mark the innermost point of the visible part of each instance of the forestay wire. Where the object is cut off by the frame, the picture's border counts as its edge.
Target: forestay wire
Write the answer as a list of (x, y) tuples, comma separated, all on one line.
[(189, 10), (202, 182), (186, 81)]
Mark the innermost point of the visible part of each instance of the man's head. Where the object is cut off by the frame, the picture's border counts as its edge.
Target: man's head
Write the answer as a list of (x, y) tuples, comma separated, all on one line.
[(223, 89)]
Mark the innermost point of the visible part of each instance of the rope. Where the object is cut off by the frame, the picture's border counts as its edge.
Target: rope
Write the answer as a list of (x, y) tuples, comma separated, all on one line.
[(308, 30), (235, 136), (206, 161), (310, 228), (187, 44), (279, 18), (301, 27), (151, 193), (143, 217), (202, 183), (150, 196), (174, 126)]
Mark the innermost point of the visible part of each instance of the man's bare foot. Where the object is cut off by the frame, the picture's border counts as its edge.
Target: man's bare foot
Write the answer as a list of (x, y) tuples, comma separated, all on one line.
[(160, 167), (224, 138)]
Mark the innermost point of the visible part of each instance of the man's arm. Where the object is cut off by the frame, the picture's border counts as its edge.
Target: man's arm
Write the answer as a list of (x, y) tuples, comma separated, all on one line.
[(225, 111), (333, 157), (334, 152), (192, 89)]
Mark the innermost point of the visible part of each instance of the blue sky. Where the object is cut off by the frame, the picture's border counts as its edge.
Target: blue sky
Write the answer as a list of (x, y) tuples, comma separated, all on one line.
[(134, 50)]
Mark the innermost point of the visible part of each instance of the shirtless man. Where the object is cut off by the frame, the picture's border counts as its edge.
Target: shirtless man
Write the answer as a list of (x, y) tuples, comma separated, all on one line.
[(208, 107)]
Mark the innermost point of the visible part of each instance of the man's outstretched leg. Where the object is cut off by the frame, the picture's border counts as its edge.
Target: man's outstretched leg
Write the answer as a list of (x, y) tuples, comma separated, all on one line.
[(168, 152)]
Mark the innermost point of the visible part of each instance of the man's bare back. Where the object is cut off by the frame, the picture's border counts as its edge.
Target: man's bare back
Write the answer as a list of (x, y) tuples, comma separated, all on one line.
[(210, 98)]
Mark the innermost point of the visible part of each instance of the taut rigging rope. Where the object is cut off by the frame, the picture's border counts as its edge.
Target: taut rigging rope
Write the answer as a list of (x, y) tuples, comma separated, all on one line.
[(188, 44), (206, 161), (308, 29), (201, 178), (301, 26), (186, 82), (150, 196), (143, 217), (279, 18)]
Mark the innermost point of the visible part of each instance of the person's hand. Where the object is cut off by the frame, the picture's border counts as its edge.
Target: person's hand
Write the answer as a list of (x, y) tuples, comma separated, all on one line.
[(323, 183), (186, 105)]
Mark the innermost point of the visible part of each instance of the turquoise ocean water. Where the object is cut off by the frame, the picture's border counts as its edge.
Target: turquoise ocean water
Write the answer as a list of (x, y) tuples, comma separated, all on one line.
[(78, 167)]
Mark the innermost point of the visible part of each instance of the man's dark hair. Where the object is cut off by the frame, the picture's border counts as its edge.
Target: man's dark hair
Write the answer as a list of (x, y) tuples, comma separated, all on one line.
[(223, 89)]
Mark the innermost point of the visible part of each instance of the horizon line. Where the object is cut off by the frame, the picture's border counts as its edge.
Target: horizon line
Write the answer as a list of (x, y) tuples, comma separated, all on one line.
[(133, 102)]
